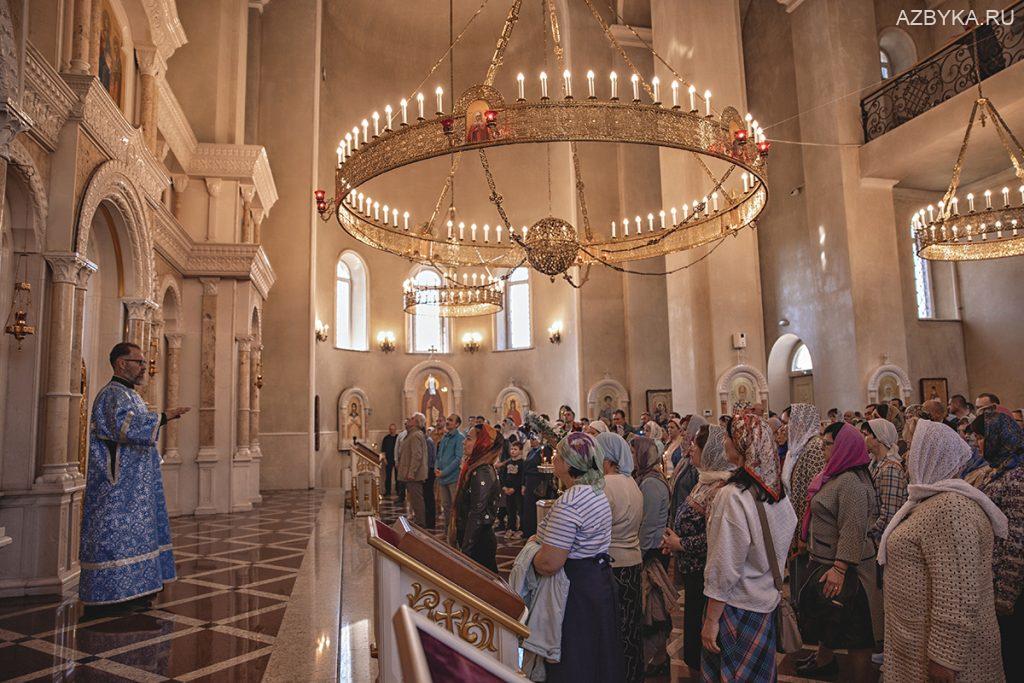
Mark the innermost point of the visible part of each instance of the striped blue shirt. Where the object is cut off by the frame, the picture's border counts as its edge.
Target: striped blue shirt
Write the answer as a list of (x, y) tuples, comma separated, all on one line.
[(580, 521)]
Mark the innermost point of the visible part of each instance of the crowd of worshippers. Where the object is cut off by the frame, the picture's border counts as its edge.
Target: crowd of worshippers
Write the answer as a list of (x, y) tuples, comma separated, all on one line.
[(899, 531)]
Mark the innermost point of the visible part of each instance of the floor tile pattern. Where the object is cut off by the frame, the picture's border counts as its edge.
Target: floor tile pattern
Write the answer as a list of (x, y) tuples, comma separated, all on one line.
[(217, 622)]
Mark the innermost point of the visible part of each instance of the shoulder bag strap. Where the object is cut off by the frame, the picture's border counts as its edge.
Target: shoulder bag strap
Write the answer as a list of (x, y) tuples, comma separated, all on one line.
[(773, 560)]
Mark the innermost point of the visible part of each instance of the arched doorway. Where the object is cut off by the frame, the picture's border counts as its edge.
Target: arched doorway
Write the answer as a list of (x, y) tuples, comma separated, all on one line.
[(790, 373)]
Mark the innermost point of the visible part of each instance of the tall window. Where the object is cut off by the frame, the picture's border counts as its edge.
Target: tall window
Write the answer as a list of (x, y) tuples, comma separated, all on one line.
[(922, 284), (801, 362), (513, 328), (350, 328), (428, 331), (886, 64)]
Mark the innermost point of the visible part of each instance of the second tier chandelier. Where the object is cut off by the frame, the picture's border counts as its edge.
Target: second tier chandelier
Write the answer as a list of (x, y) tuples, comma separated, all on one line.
[(482, 118)]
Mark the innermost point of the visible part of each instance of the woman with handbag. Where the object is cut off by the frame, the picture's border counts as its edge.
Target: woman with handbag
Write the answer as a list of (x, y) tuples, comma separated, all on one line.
[(742, 580)]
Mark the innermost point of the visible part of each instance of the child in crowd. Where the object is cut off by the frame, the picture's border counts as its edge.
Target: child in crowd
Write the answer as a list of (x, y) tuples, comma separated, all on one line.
[(511, 484)]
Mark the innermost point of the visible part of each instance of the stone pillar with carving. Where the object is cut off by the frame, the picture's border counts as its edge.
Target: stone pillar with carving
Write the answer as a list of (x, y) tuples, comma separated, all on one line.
[(81, 37), (139, 312), (206, 458), (247, 191), (255, 384), (75, 425), (179, 182), (151, 66), (240, 462), (257, 225), (172, 458), (213, 186)]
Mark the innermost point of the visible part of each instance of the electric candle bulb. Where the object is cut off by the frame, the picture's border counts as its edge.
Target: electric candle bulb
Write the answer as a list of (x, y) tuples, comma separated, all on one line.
[(567, 82), (348, 143), (376, 211), (686, 211), (404, 104), (625, 227), (394, 218), (341, 154), (614, 78), (673, 211), (355, 137), (521, 82), (693, 102), (714, 199), (465, 279), (970, 202), (650, 222), (419, 103), (590, 85), (405, 221), (472, 232), (387, 213), (440, 99), (366, 127), (543, 85), (1006, 196), (656, 85), (388, 116), (988, 199), (635, 80), (748, 119), (1021, 190), (675, 94), (661, 216), (931, 216), (613, 230), (498, 230), (639, 226), (746, 181), (450, 225), (376, 124), (474, 279), (953, 202), (487, 232), (707, 103), (462, 230), (360, 202), (525, 230)]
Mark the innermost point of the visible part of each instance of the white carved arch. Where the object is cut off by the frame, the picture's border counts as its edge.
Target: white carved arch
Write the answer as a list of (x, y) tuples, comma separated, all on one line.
[(168, 283), (24, 166), (256, 322), (346, 397), (409, 391), (742, 370), (112, 182), (518, 393), (599, 388), (890, 370)]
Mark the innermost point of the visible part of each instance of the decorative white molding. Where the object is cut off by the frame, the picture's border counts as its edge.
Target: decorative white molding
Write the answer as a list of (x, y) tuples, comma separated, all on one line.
[(244, 163), (891, 370), (606, 384), (164, 26), (12, 122), (626, 38), (169, 283), (64, 266), (24, 166), (47, 99), (173, 123)]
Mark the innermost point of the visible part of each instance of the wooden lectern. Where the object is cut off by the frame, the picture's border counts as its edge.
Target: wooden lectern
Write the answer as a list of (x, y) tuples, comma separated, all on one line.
[(429, 654), (413, 568), (365, 468)]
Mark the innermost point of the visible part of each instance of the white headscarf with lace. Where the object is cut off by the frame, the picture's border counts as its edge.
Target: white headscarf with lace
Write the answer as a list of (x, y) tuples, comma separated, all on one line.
[(804, 425)]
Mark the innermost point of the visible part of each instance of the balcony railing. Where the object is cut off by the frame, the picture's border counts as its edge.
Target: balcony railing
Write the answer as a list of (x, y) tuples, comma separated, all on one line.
[(983, 52)]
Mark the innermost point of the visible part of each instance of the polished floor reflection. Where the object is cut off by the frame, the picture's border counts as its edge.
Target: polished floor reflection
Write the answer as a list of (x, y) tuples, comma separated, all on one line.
[(218, 622)]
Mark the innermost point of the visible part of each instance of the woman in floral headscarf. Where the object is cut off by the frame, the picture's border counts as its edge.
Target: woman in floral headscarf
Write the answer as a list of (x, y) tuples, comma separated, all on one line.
[(476, 496), (738, 634), (1001, 441)]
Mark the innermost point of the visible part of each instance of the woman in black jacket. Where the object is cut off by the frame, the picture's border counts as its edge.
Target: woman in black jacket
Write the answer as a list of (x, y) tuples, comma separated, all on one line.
[(476, 496)]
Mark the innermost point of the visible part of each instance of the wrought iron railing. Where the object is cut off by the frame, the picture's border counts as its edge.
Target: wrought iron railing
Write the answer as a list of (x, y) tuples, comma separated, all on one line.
[(984, 51)]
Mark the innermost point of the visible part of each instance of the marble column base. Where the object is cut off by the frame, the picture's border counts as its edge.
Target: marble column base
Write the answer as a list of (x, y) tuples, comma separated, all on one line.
[(43, 525)]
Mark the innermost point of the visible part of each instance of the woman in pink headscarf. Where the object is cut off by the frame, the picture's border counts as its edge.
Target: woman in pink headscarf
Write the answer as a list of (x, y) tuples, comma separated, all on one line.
[(840, 604)]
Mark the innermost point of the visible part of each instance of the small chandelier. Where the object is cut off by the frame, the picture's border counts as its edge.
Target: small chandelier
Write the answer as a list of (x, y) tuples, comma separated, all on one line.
[(985, 227), (17, 320), (479, 295)]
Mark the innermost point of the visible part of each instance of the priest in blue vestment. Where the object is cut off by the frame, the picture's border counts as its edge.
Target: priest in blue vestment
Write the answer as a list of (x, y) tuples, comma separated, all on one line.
[(126, 537)]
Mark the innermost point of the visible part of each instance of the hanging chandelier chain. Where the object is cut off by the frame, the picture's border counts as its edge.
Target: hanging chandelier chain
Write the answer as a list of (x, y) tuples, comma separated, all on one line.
[(495, 197), (506, 35), (1006, 136), (451, 47), (954, 182), (448, 186), (618, 48)]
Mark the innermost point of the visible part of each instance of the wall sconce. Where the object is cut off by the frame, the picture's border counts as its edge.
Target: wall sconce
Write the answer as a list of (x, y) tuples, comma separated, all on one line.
[(555, 332), (321, 330), (471, 341), (386, 341)]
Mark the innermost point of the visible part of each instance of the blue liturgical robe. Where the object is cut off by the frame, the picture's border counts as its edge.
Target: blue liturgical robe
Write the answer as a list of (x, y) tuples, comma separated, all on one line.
[(126, 537)]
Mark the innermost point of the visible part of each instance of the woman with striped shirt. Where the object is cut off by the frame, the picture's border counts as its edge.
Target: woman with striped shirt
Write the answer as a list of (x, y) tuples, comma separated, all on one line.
[(575, 536)]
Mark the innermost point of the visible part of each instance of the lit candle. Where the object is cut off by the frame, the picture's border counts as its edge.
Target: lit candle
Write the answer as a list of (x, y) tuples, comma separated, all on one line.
[(639, 225), (355, 137), (931, 213), (543, 85), (376, 211), (366, 127), (614, 78), (590, 85), (707, 103), (405, 111), (440, 99), (525, 230), (613, 230), (954, 202), (693, 102), (341, 154), (686, 211), (521, 82), (487, 233), (419, 103), (970, 202), (661, 216), (988, 199), (497, 228), (675, 94), (348, 143), (360, 203), (1021, 190), (635, 80), (746, 182), (656, 84), (1006, 196), (474, 279), (394, 218), (567, 82), (674, 221), (388, 116), (714, 199), (650, 222), (462, 230), (748, 118), (376, 124), (450, 224), (625, 227), (387, 213), (405, 222), (472, 232)]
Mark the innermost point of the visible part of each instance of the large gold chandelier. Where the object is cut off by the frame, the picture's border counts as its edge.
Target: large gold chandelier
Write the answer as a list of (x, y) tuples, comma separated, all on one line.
[(985, 227), (481, 118), (449, 298)]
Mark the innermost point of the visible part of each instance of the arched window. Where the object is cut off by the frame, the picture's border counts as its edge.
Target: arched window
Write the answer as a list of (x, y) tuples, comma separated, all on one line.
[(922, 284), (350, 328), (513, 327), (428, 331), (886, 64), (801, 362)]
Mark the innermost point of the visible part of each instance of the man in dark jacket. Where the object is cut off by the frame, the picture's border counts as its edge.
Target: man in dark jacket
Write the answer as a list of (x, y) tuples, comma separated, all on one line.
[(387, 445)]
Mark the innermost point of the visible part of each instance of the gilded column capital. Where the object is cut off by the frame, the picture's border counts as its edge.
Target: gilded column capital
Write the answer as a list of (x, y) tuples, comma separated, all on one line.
[(66, 267)]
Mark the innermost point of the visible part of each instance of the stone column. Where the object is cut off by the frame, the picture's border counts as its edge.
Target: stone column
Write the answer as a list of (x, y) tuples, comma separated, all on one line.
[(56, 458), (179, 182), (213, 186), (139, 312), (96, 24), (247, 191), (206, 459), (257, 224), (81, 37), (256, 377), (151, 65), (75, 384), (240, 463), (172, 459)]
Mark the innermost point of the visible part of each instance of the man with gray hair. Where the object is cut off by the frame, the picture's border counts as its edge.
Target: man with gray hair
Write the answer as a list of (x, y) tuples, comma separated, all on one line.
[(412, 465)]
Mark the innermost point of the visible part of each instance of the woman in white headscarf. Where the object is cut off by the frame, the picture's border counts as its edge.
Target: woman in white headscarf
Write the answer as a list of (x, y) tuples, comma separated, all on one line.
[(940, 619), (889, 475), (654, 432), (596, 427)]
